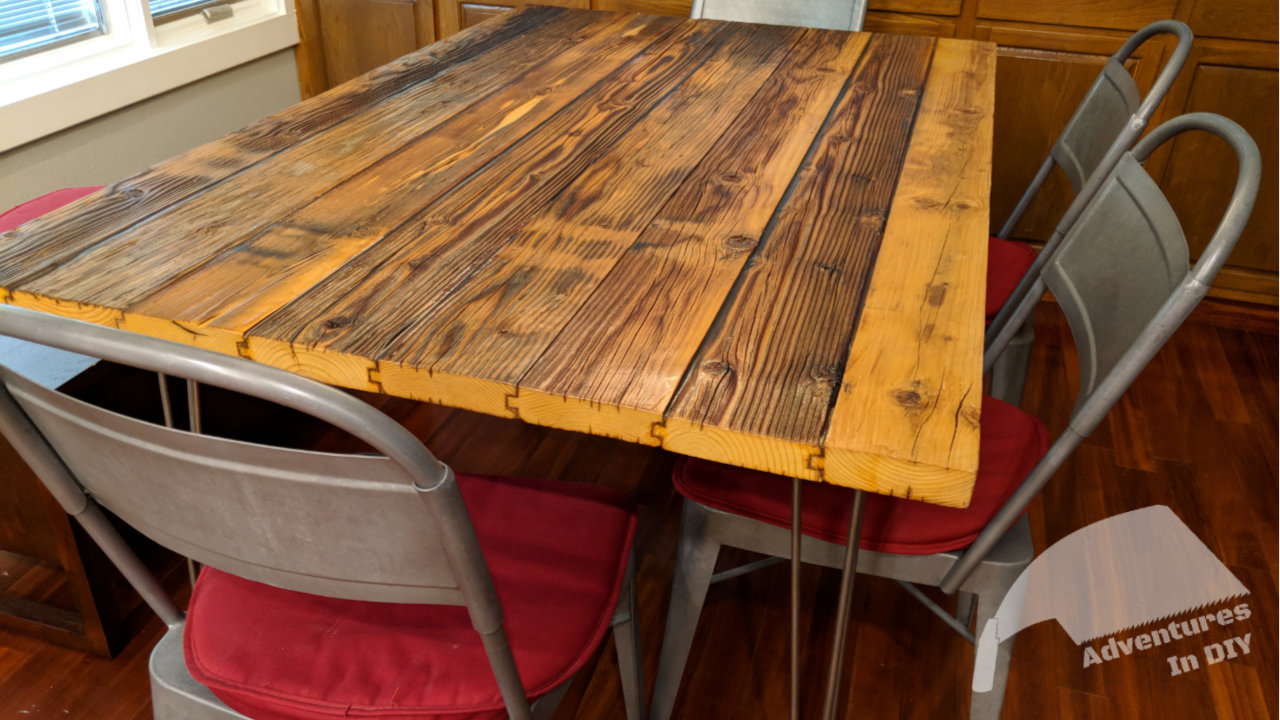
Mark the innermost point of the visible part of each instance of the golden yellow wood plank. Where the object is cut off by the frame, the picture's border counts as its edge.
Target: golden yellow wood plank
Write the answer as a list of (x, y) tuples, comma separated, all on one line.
[(164, 328), (631, 344), (906, 419)]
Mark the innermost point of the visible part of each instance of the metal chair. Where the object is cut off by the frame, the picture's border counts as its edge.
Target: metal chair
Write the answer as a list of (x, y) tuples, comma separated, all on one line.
[(825, 14), (370, 582), (1123, 280), (1105, 124)]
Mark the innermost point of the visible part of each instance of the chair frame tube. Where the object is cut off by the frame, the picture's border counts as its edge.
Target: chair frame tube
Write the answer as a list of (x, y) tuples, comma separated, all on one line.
[(1136, 124)]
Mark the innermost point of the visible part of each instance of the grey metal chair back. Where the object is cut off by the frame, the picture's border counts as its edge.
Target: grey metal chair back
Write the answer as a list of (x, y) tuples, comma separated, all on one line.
[(1124, 282), (1105, 124), (825, 14), (299, 520)]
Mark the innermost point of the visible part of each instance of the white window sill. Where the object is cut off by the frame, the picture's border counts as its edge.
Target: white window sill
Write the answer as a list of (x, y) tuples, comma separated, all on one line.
[(39, 101)]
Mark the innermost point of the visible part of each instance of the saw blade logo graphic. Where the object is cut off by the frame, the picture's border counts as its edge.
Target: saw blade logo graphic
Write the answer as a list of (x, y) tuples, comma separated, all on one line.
[(1119, 573)]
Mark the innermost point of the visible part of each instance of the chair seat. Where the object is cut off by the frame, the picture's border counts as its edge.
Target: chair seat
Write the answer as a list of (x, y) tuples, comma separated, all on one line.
[(1007, 262), (33, 209), (557, 553), (1012, 443)]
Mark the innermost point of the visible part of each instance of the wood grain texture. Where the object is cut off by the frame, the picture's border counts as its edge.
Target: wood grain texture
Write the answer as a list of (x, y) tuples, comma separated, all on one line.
[(909, 373), (64, 233), (649, 228), (631, 345), (754, 376)]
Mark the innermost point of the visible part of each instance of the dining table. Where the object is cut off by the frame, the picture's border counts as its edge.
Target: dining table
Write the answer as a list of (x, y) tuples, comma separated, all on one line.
[(759, 245)]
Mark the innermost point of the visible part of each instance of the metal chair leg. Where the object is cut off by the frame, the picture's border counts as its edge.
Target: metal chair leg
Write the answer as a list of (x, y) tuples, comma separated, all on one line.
[(965, 604), (1009, 373), (695, 563), (795, 597), (626, 641), (987, 705), (829, 707)]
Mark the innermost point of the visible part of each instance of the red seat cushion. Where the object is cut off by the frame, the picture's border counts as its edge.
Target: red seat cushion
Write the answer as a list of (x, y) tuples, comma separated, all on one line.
[(1007, 262), (557, 553), (33, 209), (1011, 445)]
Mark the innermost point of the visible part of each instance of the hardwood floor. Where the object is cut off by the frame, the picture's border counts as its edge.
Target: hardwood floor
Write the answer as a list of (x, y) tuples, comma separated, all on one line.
[(1198, 433)]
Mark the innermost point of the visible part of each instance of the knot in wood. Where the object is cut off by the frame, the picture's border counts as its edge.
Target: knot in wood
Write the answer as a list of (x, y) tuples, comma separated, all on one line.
[(336, 323), (908, 399), (740, 243), (716, 367), (731, 177), (839, 138), (935, 294), (828, 268)]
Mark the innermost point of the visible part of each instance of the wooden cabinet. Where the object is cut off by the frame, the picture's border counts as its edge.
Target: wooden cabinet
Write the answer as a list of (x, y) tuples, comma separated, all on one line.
[(345, 38), (1028, 119), (1049, 54)]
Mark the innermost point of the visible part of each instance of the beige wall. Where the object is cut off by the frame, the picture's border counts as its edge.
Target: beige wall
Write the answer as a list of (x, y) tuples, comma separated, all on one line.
[(129, 140)]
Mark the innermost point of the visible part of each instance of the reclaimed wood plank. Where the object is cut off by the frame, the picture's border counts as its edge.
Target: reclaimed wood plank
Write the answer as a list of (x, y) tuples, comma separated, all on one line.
[(422, 262), (503, 320), (765, 375), (66, 232), (321, 168), (250, 280), (905, 422), (617, 364)]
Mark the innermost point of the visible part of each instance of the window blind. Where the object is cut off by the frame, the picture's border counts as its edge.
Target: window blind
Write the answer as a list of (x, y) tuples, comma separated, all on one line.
[(27, 25), (160, 8)]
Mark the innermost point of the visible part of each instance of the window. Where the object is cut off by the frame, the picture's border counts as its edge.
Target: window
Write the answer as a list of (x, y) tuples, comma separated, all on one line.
[(170, 8), (66, 61), (29, 25)]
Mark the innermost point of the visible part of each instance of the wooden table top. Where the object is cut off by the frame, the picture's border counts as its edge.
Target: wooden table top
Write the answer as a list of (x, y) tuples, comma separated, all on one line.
[(759, 245)]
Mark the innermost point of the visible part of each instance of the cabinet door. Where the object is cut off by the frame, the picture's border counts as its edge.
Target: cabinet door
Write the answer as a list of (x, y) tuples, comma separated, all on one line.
[(1239, 19), (345, 38), (1041, 76), (677, 8), (1112, 14), (1240, 82), (455, 15)]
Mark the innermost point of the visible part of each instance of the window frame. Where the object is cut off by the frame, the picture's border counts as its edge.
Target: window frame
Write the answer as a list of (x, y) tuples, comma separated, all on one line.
[(137, 58)]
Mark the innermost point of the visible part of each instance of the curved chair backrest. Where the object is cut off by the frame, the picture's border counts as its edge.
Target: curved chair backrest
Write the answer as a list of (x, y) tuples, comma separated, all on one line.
[(825, 14), (1105, 124), (1124, 282), (389, 528)]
